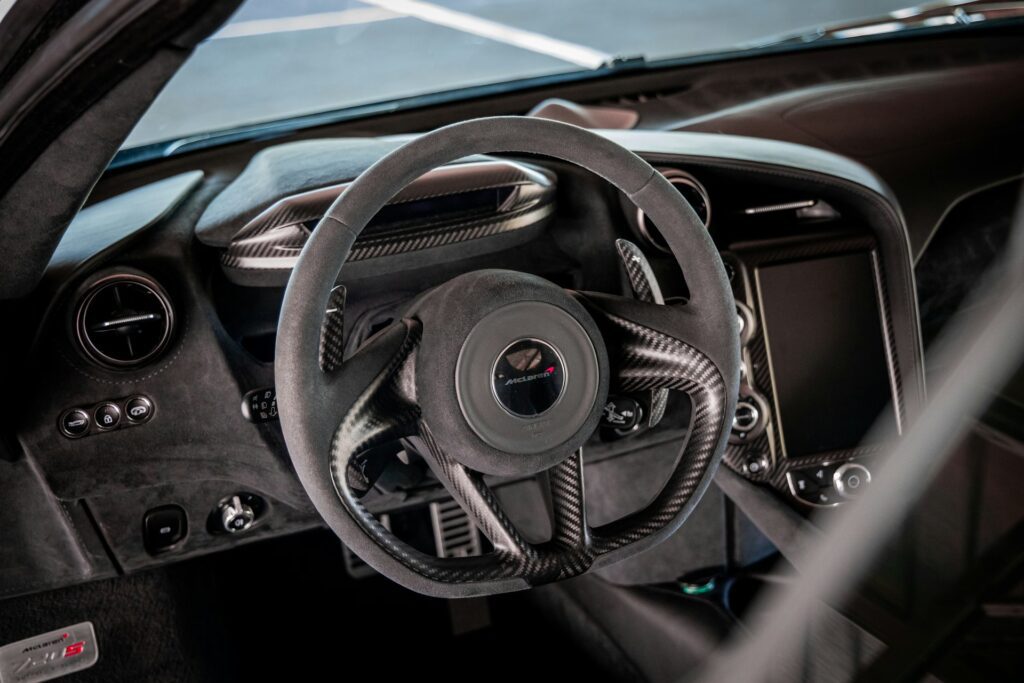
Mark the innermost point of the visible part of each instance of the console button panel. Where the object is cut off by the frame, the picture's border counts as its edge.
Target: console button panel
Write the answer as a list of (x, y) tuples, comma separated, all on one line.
[(105, 416), (828, 484)]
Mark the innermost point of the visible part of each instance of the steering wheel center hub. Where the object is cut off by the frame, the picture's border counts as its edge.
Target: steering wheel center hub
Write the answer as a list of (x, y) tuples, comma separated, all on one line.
[(528, 378), (529, 366)]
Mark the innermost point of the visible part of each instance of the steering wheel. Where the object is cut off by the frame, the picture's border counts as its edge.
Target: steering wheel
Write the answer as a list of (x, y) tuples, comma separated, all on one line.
[(503, 373)]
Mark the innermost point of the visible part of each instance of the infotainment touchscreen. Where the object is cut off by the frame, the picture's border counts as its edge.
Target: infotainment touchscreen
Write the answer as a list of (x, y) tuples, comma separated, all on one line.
[(828, 357)]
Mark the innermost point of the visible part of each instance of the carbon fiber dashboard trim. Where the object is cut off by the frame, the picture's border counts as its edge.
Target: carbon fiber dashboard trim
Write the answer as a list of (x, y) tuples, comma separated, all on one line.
[(749, 256), (274, 238)]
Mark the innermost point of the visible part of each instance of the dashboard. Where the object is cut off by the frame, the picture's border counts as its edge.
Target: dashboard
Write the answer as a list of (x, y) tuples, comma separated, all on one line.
[(152, 410)]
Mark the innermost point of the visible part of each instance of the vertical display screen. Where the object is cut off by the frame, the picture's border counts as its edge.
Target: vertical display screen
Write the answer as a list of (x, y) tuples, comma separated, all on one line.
[(828, 357)]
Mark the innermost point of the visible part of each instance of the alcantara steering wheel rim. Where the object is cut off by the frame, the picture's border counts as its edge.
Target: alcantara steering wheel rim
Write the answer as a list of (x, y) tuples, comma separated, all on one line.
[(417, 376)]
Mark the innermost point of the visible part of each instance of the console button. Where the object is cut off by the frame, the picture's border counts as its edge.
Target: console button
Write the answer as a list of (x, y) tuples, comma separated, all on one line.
[(814, 485), (746, 321), (107, 416), (825, 496), (803, 486), (750, 418), (756, 463), (74, 423), (138, 409), (821, 475), (851, 480), (164, 527)]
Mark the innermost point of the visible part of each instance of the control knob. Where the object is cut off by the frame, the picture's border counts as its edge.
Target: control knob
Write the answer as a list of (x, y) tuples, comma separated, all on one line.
[(851, 479), (236, 516)]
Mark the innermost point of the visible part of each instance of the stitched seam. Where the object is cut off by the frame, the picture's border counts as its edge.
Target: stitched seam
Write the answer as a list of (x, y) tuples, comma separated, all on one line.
[(170, 361)]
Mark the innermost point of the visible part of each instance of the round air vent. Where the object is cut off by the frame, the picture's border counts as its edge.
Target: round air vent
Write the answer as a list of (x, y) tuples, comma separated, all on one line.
[(124, 321), (692, 191)]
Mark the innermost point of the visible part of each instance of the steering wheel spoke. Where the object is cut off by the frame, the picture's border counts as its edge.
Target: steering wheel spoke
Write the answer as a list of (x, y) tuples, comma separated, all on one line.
[(477, 499), (375, 393), (564, 482), (650, 346)]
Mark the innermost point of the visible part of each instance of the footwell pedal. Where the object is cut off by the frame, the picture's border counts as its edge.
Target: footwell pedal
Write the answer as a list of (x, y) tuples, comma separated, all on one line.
[(454, 534)]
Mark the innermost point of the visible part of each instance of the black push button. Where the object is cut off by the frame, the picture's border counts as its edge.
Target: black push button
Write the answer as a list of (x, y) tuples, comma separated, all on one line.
[(164, 527), (825, 496), (74, 423), (814, 485), (803, 485), (138, 409), (821, 475), (107, 416)]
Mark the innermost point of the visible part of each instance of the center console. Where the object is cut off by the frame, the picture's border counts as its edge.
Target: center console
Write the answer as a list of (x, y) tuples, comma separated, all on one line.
[(820, 394)]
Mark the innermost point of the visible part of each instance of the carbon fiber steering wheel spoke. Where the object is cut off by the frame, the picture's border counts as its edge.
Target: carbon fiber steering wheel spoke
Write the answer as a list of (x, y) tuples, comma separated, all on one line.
[(376, 391), (645, 287), (569, 530), (646, 341), (474, 496), (656, 347)]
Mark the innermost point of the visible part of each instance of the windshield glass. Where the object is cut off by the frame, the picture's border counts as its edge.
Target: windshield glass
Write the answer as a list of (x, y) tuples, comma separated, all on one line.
[(278, 59)]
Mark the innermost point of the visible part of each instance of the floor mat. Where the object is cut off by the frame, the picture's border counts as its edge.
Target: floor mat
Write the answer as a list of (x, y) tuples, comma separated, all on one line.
[(286, 610)]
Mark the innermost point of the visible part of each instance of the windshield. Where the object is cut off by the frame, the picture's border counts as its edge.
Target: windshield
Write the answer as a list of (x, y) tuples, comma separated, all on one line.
[(278, 59)]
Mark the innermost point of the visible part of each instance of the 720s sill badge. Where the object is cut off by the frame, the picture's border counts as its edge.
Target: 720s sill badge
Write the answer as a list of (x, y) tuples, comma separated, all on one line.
[(49, 655)]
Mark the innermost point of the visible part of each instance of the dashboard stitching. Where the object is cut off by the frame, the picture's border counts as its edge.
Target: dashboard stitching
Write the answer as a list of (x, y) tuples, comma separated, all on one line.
[(168, 363)]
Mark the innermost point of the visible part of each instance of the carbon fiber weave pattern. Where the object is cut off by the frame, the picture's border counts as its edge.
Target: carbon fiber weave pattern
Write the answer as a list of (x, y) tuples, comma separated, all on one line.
[(332, 331), (645, 288), (769, 443), (649, 360), (278, 247), (387, 409)]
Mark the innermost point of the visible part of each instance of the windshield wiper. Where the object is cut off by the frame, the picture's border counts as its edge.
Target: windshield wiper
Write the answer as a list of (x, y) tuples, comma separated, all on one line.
[(929, 15)]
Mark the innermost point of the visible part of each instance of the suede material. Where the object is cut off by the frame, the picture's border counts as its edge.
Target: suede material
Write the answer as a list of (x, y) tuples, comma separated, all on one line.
[(308, 436), (284, 170), (58, 182), (39, 547), (449, 313)]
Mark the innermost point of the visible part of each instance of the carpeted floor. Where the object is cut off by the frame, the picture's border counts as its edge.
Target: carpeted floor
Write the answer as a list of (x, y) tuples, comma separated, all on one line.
[(286, 610)]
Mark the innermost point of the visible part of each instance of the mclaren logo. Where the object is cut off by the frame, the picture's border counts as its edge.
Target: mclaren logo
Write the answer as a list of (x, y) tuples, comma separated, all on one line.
[(529, 378)]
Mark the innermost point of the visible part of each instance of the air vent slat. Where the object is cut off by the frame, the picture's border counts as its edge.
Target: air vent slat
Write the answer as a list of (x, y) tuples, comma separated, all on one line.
[(124, 321)]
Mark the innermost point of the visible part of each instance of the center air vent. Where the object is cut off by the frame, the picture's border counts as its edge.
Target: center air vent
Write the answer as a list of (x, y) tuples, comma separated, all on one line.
[(124, 321)]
